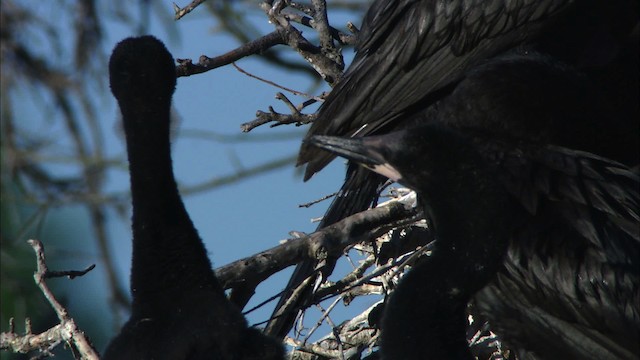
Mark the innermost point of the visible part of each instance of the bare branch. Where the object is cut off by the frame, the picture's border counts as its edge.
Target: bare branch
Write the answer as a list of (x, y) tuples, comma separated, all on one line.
[(324, 32), (295, 92), (346, 340), (71, 274), (181, 12), (296, 117), (311, 203), (186, 67), (341, 37), (328, 68), (278, 118), (66, 331), (330, 240)]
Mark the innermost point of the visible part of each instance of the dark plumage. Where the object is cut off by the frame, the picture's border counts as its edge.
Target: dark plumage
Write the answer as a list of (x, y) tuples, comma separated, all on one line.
[(179, 309), (559, 226), (411, 54), (427, 311)]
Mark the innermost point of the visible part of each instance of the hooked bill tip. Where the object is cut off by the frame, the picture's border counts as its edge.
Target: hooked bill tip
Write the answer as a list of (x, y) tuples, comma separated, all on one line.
[(364, 152)]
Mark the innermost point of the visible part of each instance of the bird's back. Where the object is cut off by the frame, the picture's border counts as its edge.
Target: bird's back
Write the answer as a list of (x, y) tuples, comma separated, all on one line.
[(570, 283)]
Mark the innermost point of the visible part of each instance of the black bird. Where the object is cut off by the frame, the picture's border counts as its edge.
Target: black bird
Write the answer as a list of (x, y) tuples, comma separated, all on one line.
[(559, 226), (428, 308), (179, 309), (411, 54)]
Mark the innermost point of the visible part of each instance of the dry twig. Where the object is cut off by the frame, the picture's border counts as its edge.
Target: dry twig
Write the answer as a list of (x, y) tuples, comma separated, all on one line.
[(65, 332)]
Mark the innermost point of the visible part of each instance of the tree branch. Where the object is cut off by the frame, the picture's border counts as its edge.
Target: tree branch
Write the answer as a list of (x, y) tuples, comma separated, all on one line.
[(330, 69), (186, 67), (181, 12), (66, 331), (330, 240)]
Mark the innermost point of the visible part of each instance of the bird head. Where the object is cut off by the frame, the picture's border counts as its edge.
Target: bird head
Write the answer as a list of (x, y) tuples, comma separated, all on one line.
[(142, 68)]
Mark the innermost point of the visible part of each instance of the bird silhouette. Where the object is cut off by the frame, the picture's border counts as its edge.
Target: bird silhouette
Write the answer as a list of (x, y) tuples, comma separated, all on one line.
[(546, 238), (412, 54), (179, 309)]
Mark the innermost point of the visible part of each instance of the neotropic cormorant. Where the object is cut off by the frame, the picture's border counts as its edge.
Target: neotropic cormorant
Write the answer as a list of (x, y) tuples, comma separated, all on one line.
[(411, 54), (179, 309), (559, 226)]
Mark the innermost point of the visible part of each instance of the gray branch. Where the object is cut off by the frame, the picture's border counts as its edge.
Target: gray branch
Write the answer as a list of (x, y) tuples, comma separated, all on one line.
[(65, 332)]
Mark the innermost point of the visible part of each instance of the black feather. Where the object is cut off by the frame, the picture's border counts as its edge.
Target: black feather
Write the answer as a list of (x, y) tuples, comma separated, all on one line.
[(179, 309), (561, 280)]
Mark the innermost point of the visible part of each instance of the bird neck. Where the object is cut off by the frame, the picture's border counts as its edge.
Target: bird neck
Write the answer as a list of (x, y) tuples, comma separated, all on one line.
[(464, 197), (426, 315), (427, 312), (168, 254), (473, 223)]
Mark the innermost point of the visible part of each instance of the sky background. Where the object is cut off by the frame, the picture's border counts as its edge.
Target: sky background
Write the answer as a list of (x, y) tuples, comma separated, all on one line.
[(234, 221)]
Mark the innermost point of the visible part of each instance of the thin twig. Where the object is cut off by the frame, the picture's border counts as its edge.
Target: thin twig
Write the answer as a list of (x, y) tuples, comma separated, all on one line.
[(71, 274), (311, 203), (277, 118), (186, 67), (181, 12), (294, 92), (325, 315), (66, 331)]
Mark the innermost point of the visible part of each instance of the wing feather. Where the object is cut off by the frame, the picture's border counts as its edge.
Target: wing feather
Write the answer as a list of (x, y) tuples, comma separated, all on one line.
[(409, 49)]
